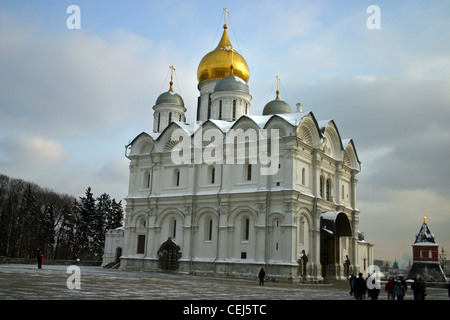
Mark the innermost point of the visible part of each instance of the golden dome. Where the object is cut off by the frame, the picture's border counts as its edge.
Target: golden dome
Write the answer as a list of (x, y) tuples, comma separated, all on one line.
[(216, 64)]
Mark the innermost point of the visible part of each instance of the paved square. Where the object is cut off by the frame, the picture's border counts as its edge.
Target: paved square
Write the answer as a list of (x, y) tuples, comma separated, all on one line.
[(21, 281)]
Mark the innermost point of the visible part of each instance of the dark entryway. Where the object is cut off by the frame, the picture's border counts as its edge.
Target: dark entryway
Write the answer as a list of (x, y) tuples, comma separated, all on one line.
[(333, 225), (169, 253)]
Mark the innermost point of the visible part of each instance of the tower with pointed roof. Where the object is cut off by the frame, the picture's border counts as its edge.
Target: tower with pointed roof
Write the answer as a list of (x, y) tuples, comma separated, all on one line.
[(426, 256)]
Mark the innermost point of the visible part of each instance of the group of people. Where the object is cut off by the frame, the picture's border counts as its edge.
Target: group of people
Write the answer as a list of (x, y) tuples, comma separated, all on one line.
[(359, 288), (395, 288)]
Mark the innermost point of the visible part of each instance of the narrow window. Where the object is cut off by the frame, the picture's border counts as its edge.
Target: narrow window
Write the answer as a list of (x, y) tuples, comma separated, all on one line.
[(198, 108), (209, 106), (210, 229), (220, 110), (141, 244), (170, 117), (213, 175), (177, 177), (234, 110), (343, 189), (159, 120), (303, 176), (321, 186), (247, 229), (147, 180), (174, 232), (179, 118), (249, 172), (328, 190)]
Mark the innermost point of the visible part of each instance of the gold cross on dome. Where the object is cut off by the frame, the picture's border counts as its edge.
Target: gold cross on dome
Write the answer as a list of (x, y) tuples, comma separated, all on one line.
[(226, 12), (278, 87), (171, 77)]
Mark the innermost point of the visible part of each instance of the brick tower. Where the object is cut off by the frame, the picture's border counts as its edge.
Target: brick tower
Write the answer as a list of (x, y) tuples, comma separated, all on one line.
[(426, 256)]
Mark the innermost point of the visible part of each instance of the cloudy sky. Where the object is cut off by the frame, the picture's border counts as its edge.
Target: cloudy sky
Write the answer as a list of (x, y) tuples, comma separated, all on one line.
[(71, 99)]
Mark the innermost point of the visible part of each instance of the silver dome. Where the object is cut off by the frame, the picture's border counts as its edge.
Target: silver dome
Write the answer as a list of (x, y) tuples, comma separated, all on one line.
[(170, 97), (231, 83)]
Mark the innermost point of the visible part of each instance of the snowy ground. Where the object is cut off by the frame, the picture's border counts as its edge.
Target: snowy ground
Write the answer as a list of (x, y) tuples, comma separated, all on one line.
[(23, 282)]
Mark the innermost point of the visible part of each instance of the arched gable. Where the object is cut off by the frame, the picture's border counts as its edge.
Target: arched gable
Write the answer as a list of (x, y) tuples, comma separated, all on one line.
[(350, 156), (308, 130), (277, 122), (332, 144), (140, 145), (165, 142)]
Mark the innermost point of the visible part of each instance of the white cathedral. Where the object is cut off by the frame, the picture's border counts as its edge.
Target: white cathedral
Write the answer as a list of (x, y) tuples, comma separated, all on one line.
[(230, 219)]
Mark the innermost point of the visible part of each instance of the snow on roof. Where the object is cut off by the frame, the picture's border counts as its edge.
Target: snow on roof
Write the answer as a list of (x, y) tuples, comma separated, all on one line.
[(222, 124), (424, 235)]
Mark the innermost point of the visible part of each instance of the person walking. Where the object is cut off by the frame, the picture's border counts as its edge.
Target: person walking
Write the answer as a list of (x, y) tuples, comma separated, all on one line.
[(418, 289), (352, 283), (261, 275), (40, 260), (359, 288), (399, 290), (389, 288)]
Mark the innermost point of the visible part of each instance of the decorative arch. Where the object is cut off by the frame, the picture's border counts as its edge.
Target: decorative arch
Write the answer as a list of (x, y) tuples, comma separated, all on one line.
[(241, 209), (167, 212), (308, 131), (332, 139), (137, 216), (165, 142), (350, 156), (140, 145)]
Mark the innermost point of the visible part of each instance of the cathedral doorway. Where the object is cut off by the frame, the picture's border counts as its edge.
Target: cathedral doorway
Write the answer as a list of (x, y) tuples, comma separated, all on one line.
[(333, 225), (168, 254), (118, 254)]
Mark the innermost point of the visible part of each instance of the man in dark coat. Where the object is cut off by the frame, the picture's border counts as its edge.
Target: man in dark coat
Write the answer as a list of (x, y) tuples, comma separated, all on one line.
[(261, 275), (359, 288)]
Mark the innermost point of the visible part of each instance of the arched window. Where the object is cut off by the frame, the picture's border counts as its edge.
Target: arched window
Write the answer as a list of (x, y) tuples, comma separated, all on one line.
[(209, 106), (208, 229), (174, 228), (147, 180), (247, 229), (321, 186), (328, 190), (159, 120), (170, 117), (234, 110)]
